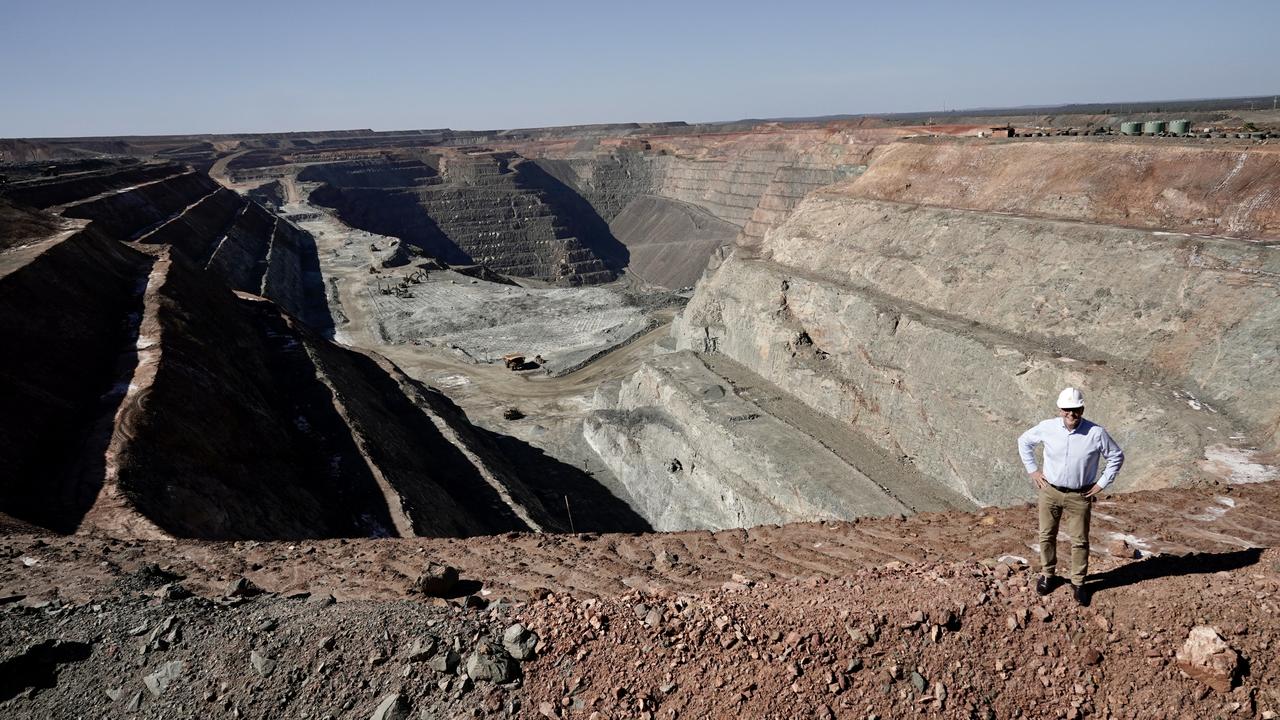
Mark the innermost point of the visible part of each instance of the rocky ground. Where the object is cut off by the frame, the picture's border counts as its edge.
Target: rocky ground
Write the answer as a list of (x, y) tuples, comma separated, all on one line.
[(886, 618)]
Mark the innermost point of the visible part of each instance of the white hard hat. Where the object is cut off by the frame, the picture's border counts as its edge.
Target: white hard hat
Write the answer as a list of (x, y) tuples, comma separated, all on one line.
[(1070, 398)]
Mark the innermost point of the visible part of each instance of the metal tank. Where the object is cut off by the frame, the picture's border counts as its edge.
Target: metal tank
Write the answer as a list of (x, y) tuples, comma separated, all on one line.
[(1131, 128), (1179, 127), (1153, 127)]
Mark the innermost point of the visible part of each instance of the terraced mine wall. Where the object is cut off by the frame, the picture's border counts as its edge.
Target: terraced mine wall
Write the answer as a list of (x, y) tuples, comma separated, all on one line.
[(577, 212), (169, 205), (939, 330), (49, 192), (1187, 187), (163, 396), (672, 200), (299, 438), (695, 453), (20, 222), (482, 207)]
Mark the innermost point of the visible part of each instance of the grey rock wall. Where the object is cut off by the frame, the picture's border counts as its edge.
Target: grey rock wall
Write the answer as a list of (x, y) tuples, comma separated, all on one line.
[(1191, 312), (942, 334), (948, 397), (656, 199), (692, 454), (609, 181)]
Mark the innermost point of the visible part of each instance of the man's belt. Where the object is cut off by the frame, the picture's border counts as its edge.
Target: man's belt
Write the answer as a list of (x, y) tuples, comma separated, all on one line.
[(1084, 489)]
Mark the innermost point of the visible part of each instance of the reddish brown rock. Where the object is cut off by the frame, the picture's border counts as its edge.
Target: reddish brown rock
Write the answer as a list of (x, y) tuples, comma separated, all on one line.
[(1122, 549), (436, 580), (1206, 657)]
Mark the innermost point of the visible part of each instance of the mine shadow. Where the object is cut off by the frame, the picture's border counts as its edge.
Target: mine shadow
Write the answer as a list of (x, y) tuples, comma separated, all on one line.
[(589, 227), (38, 666), (450, 470), (594, 508), (64, 472), (315, 300), (463, 588), (1171, 566), (349, 502)]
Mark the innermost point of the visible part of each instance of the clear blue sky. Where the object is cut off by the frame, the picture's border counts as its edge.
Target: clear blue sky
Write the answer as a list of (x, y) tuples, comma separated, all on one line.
[(109, 67)]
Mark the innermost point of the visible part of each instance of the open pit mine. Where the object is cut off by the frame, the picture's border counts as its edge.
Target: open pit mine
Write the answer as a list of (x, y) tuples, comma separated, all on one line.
[(636, 421)]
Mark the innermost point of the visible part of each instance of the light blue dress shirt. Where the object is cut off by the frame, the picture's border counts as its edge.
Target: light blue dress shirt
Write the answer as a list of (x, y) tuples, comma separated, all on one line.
[(1071, 456)]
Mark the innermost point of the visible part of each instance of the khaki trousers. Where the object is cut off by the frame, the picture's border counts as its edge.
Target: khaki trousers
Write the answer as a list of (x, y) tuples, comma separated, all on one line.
[(1075, 509)]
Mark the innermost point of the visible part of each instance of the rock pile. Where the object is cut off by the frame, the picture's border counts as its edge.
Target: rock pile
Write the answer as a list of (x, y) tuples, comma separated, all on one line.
[(85, 632)]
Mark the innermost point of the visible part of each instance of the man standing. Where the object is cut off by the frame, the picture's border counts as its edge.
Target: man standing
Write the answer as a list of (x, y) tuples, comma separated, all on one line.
[(1072, 446)]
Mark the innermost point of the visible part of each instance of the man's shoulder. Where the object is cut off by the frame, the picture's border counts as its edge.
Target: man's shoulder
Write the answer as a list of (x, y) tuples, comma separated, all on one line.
[(1039, 428), (1094, 428)]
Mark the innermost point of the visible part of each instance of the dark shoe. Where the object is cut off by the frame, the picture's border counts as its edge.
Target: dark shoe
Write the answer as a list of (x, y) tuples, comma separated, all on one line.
[(1046, 584), (1081, 594)]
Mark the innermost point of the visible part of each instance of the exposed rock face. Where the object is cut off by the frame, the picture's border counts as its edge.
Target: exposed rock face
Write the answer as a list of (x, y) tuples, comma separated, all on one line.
[(20, 222), (343, 436), (299, 438), (940, 334), (749, 181), (946, 366), (482, 207), (578, 210), (609, 177), (57, 191), (126, 212), (693, 453)]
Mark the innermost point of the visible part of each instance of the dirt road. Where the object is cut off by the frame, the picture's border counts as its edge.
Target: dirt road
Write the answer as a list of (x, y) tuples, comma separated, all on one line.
[(218, 171)]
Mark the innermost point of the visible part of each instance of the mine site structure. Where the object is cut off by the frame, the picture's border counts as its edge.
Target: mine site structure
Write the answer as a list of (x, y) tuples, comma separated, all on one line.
[(518, 362), (402, 287)]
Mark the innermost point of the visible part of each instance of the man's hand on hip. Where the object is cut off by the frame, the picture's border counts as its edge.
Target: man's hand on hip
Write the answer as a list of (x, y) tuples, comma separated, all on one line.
[(1038, 478), (1094, 491)]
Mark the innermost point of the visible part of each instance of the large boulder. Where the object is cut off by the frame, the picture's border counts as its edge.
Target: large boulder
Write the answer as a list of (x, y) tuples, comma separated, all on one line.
[(436, 580), (1206, 657), (519, 642), (490, 663)]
